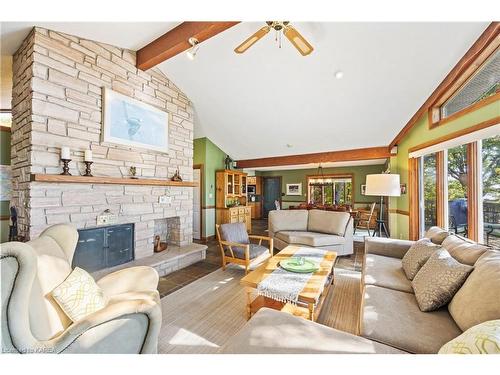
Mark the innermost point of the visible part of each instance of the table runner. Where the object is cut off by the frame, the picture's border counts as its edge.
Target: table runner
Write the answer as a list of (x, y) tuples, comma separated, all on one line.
[(285, 286)]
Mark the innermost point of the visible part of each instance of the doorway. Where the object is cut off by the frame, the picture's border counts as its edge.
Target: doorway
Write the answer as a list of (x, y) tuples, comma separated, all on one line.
[(271, 193), (197, 177)]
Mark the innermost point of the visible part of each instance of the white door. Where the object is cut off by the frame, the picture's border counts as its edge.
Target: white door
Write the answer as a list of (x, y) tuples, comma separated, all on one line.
[(197, 205)]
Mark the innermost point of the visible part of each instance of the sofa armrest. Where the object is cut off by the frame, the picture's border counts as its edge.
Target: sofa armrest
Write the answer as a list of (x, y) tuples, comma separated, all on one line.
[(388, 247)]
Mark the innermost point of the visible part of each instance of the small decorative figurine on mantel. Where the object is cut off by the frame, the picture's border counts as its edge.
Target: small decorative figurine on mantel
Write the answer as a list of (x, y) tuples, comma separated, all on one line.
[(176, 176), (133, 171), (228, 162)]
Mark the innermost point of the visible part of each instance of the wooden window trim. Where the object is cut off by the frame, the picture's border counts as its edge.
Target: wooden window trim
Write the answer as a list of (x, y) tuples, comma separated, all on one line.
[(463, 112), (472, 192), (413, 195), (440, 198), (467, 71)]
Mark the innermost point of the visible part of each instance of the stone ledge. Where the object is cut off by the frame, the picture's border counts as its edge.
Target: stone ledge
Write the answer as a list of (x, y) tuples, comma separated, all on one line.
[(165, 262)]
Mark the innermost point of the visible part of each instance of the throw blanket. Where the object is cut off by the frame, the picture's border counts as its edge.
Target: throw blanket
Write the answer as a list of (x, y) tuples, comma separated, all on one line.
[(285, 286)]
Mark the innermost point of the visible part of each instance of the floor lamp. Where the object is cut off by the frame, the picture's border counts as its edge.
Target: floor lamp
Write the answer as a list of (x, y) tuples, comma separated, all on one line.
[(383, 185)]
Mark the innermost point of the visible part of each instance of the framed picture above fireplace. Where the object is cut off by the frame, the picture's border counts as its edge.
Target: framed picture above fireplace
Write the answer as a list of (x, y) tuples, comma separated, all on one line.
[(130, 122)]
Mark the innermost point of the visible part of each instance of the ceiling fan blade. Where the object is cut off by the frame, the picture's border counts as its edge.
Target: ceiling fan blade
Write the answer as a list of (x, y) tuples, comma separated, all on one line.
[(298, 41), (252, 40)]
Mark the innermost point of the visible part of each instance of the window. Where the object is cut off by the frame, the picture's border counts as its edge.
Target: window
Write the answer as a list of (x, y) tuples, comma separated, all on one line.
[(457, 181), (429, 191), (490, 177), (330, 190), (483, 84)]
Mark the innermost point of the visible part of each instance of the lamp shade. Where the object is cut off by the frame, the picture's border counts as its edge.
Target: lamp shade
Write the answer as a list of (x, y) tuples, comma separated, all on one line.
[(387, 185)]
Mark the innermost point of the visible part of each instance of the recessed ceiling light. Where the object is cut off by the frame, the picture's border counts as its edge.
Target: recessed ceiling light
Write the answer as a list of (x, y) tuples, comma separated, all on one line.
[(339, 74), (289, 145)]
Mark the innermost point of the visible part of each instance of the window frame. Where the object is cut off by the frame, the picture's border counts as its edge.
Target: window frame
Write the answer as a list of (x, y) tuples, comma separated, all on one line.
[(462, 77), (331, 175)]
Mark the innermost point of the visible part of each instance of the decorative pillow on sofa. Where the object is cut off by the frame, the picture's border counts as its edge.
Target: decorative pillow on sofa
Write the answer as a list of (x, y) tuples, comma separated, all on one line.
[(417, 255), (436, 235), (438, 280), (478, 300), (79, 295), (483, 338)]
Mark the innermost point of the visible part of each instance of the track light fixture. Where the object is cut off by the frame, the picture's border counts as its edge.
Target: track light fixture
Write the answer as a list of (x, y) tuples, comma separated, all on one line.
[(191, 53)]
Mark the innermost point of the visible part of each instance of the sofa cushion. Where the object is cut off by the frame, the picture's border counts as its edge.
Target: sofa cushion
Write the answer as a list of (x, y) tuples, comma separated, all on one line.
[(463, 250), (478, 300), (483, 338), (254, 252), (280, 220), (436, 235), (310, 238), (275, 332), (438, 280), (393, 318), (417, 255), (386, 272), (331, 222)]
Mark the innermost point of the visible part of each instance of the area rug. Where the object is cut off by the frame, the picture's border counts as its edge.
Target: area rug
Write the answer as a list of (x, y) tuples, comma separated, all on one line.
[(202, 316)]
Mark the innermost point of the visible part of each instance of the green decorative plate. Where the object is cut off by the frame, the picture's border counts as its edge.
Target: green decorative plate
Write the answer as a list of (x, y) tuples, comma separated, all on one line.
[(292, 264)]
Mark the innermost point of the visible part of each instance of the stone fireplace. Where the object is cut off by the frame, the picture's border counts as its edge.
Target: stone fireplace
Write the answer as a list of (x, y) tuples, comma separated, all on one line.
[(58, 81), (169, 230)]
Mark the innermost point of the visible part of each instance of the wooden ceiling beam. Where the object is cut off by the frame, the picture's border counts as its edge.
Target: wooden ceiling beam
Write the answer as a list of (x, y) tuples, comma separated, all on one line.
[(487, 37), (176, 41), (320, 157)]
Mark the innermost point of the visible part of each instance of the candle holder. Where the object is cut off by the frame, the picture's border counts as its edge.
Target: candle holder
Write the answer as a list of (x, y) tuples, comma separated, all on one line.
[(88, 171), (66, 167)]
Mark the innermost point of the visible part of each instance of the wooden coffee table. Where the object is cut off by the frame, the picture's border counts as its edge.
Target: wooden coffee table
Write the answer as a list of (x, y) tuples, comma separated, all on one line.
[(311, 298)]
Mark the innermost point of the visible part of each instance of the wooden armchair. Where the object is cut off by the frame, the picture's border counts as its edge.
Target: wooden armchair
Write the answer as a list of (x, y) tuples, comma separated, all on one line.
[(364, 219), (235, 245)]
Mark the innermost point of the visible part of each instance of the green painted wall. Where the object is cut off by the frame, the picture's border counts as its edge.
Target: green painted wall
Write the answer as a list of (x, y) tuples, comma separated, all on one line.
[(418, 135), (4, 205), (300, 175), (212, 158)]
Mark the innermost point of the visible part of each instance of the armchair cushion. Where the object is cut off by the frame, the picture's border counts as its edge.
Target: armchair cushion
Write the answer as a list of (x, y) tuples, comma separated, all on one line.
[(79, 295), (234, 232), (255, 251)]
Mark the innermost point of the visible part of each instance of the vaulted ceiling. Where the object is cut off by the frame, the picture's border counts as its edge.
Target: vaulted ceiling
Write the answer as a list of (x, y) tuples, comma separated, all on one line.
[(272, 101)]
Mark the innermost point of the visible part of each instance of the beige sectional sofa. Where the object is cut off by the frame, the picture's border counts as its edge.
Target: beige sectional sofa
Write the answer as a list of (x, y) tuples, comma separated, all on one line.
[(328, 230), (390, 313)]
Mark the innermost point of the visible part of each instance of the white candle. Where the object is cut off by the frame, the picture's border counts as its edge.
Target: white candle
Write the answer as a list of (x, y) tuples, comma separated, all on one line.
[(88, 155), (65, 154)]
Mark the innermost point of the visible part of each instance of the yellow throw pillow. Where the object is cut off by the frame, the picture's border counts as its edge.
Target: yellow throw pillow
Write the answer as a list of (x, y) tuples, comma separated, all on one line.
[(483, 338), (79, 295)]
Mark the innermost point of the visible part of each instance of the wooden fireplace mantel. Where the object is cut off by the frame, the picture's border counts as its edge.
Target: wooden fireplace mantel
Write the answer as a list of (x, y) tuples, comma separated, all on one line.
[(109, 180)]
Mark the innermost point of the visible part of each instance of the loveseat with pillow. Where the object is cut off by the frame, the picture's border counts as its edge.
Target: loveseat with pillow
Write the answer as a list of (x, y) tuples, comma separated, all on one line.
[(327, 230)]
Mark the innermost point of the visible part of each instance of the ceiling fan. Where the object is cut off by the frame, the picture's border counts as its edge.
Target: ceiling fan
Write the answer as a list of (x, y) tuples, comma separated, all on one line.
[(280, 27)]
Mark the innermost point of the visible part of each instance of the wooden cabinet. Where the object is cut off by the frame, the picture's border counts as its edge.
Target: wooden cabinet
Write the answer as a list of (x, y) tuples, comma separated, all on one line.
[(231, 198), (241, 214), (231, 188)]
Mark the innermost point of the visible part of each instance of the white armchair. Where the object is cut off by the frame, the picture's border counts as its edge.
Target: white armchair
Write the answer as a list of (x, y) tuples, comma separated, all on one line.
[(32, 322)]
